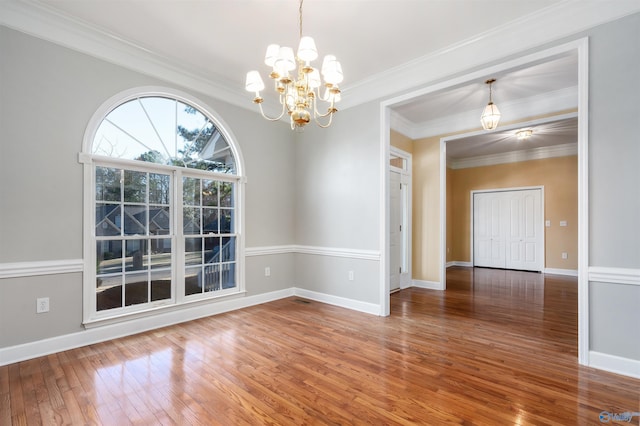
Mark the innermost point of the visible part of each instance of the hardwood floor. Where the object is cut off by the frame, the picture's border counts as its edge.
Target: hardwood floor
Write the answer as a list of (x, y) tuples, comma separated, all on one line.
[(496, 348)]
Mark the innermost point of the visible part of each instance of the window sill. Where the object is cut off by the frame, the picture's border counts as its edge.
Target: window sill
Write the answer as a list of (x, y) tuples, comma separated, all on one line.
[(157, 315)]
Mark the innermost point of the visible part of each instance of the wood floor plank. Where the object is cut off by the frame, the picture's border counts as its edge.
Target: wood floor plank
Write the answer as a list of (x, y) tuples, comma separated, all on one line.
[(497, 347)]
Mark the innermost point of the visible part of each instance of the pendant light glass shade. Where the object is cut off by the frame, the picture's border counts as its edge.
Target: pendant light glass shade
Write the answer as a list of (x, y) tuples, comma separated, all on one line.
[(491, 115)]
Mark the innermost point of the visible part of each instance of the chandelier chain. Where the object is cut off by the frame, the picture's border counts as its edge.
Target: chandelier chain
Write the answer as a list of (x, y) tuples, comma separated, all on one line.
[(300, 13)]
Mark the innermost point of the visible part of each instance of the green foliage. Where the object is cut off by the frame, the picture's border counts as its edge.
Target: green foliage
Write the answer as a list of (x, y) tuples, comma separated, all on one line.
[(196, 141), (152, 157)]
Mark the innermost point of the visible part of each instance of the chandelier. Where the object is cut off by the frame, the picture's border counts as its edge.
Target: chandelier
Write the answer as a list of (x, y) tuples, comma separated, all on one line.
[(299, 93), (490, 115)]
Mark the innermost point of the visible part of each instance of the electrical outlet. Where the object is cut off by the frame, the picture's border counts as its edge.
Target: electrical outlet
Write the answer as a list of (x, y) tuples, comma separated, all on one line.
[(565, 255), (42, 305), (350, 275), (267, 271)]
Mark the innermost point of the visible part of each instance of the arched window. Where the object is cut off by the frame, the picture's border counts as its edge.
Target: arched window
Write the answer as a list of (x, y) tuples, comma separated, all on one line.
[(162, 205)]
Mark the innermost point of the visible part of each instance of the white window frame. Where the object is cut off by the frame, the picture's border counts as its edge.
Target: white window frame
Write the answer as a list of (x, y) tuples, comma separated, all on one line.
[(91, 317)]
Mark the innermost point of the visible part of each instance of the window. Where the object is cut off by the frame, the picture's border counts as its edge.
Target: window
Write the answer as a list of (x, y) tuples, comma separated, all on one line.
[(209, 235), (133, 237), (163, 206)]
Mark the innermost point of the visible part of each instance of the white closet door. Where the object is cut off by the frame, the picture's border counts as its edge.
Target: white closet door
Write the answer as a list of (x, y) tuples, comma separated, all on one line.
[(507, 227), (525, 239), (489, 230)]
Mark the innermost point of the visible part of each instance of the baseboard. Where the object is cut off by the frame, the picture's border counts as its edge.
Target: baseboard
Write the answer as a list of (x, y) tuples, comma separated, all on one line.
[(343, 302), (431, 285), (615, 364), (12, 354), (567, 272), (459, 263), (552, 271)]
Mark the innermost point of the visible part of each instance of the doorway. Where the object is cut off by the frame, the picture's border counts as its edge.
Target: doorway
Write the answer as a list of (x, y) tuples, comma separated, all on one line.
[(399, 219), (578, 48)]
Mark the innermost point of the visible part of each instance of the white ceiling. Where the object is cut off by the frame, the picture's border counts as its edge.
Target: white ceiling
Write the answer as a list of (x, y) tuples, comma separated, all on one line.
[(555, 76), (227, 38), (385, 46), (555, 131)]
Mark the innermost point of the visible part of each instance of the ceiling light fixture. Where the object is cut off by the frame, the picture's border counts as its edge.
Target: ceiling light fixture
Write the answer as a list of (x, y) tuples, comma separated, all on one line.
[(524, 134), (299, 94), (490, 116)]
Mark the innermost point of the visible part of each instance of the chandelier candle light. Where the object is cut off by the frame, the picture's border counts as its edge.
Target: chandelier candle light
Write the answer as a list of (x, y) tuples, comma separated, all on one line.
[(490, 115), (299, 94)]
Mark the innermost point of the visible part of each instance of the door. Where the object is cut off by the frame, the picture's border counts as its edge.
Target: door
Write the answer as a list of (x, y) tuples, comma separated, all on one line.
[(508, 229), (399, 238), (525, 242), (395, 230), (489, 230)]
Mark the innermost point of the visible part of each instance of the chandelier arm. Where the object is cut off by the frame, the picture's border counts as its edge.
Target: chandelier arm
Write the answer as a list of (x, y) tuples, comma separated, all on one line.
[(272, 118), (315, 108), (322, 98), (316, 113), (324, 126), (330, 111), (326, 114)]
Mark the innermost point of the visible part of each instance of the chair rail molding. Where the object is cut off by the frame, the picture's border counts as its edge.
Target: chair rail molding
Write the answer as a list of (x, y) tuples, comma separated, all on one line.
[(43, 267), (614, 275)]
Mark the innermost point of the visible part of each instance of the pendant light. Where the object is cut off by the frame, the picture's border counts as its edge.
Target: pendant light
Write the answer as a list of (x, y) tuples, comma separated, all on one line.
[(491, 114)]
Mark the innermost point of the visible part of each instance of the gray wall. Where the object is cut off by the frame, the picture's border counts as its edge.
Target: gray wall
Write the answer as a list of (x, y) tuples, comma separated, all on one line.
[(337, 181), (337, 195), (615, 317), (47, 95), (614, 144), (614, 183)]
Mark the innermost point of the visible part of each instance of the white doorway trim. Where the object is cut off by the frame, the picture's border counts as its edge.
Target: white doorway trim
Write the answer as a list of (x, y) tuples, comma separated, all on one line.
[(405, 178), (581, 46)]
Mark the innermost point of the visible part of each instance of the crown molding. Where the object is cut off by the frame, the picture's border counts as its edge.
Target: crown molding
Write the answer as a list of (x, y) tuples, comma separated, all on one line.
[(552, 23), (402, 125), (541, 153), (40, 21), (546, 103), (560, 20)]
